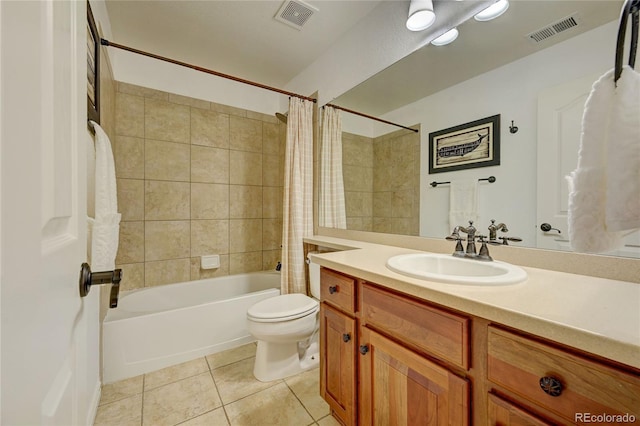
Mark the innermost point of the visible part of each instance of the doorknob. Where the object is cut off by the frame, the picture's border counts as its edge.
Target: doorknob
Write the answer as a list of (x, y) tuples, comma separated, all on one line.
[(545, 227), (88, 278)]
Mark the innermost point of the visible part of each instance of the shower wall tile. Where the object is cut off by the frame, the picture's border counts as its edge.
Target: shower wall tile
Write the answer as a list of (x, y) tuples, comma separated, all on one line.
[(357, 178), (129, 157), (209, 201), (245, 202), (209, 128), (195, 178), (198, 273), (167, 161), (240, 263), (245, 235), (132, 276), (382, 204), (166, 240), (209, 237), (246, 134), (167, 272), (245, 168), (210, 165), (166, 121), (129, 115), (131, 199), (271, 170), (166, 200)]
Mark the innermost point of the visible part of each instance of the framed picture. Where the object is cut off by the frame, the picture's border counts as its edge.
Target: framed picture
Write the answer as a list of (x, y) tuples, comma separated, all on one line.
[(467, 146)]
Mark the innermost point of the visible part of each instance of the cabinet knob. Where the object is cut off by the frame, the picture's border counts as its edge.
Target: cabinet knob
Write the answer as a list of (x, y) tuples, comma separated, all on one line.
[(346, 337), (364, 349), (551, 385), (333, 289)]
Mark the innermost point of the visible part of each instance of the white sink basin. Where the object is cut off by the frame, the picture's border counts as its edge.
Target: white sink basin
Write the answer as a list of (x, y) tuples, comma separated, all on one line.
[(454, 270)]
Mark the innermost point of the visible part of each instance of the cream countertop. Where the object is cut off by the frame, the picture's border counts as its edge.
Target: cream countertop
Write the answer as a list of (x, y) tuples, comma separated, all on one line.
[(596, 315)]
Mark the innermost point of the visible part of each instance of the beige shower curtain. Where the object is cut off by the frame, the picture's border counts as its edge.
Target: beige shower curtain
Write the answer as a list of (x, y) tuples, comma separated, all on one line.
[(298, 195), (331, 213)]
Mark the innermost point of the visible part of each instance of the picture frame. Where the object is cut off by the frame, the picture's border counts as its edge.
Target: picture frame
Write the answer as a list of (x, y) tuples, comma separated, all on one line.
[(466, 146)]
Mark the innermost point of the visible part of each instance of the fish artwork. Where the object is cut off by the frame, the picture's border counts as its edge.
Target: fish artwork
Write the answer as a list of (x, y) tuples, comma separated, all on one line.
[(460, 149)]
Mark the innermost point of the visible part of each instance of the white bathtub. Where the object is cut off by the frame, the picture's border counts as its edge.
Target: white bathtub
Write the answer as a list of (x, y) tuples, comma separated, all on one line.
[(156, 327)]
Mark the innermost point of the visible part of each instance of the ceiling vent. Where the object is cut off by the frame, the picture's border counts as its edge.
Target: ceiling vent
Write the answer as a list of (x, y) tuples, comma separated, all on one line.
[(555, 28), (295, 13)]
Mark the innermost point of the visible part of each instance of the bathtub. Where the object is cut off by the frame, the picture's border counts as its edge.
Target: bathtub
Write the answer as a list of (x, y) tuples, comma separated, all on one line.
[(156, 327)]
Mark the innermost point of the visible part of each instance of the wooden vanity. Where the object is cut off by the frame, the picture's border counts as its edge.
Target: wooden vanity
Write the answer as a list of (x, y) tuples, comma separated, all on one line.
[(391, 358)]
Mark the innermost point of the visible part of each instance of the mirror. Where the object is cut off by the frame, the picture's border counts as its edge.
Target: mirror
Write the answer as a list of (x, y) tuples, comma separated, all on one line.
[(534, 67)]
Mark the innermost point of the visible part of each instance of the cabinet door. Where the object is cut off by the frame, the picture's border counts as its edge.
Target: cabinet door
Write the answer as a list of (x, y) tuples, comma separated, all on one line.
[(503, 413), (337, 363), (400, 387)]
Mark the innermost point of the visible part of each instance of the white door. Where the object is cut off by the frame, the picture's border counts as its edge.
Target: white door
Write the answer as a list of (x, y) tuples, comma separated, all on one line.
[(560, 111), (50, 367)]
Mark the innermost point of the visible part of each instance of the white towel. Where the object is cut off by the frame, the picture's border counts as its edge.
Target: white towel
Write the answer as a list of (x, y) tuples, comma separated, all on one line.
[(606, 181), (463, 202), (105, 229)]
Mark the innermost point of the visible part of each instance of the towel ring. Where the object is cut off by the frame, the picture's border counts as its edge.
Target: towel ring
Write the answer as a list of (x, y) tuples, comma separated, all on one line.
[(630, 7)]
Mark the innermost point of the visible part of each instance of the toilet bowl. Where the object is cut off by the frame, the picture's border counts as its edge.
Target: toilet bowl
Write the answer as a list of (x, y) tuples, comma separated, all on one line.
[(286, 328)]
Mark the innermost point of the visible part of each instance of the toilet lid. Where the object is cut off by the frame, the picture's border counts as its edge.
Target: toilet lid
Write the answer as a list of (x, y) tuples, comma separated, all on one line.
[(283, 307)]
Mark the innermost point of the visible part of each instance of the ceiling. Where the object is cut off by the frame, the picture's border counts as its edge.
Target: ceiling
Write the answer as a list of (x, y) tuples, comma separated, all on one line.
[(242, 38), (239, 37)]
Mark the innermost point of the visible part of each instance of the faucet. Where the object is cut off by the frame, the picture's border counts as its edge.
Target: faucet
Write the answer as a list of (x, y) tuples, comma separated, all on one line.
[(493, 229), (471, 237)]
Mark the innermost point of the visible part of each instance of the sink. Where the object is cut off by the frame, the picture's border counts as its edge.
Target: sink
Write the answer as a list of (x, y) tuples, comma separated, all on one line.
[(455, 270)]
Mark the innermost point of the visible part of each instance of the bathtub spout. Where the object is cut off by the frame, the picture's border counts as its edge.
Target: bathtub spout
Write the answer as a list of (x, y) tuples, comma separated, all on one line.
[(278, 266)]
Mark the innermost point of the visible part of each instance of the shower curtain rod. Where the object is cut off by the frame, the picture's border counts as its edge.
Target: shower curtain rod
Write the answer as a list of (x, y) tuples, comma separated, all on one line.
[(105, 42), (371, 117)]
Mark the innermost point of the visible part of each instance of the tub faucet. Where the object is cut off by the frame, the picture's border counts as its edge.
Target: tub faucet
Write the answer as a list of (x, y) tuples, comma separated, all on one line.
[(278, 266)]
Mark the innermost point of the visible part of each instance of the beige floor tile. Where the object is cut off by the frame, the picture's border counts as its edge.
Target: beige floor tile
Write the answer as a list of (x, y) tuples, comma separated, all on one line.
[(212, 418), (180, 401), (235, 381), (230, 356), (328, 421), (274, 406), (126, 412), (121, 389), (175, 373), (306, 386)]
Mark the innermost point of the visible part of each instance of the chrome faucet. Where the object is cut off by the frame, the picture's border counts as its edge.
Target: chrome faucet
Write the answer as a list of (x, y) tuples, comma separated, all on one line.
[(471, 240), (493, 229)]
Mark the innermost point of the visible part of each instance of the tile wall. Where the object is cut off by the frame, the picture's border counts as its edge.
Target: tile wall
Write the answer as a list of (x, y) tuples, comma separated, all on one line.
[(382, 182), (195, 178)]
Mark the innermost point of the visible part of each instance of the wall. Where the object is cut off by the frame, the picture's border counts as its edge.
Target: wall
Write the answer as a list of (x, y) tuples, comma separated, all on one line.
[(511, 91), (195, 178), (381, 179)]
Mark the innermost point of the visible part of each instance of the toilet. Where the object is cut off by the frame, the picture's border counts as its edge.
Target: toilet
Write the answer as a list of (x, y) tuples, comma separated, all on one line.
[(286, 328)]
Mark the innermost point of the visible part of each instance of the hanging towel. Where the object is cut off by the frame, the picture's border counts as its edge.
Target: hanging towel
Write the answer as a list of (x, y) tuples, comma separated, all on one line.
[(105, 228), (603, 189), (463, 202), (622, 211)]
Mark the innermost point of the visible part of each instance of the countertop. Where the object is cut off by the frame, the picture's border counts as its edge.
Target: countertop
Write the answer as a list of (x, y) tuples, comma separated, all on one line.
[(596, 315)]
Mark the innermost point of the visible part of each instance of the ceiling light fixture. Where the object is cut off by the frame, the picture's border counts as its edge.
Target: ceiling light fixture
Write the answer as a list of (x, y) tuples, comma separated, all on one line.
[(421, 15), (446, 38), (493, 11)]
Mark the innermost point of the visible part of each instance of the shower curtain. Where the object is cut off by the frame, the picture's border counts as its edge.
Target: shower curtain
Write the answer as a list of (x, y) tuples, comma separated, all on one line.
[(331, 195), (298, 195)]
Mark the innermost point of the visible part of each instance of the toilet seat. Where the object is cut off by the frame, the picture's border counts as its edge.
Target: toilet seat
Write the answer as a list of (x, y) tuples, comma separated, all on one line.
[(285, 307)]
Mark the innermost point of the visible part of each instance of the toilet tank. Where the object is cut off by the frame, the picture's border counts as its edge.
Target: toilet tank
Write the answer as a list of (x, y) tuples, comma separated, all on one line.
[(314, 277)]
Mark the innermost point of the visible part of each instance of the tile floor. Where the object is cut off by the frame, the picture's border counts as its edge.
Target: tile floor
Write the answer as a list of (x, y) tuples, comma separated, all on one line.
[(218, 389)]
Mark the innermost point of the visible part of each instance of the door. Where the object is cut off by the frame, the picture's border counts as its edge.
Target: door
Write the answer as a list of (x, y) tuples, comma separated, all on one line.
[(399, 387), (337, 369), (560, 111), (50, 364)]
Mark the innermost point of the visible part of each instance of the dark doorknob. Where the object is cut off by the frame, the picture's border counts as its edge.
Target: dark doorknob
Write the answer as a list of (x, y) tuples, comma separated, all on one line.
[(545, 227)]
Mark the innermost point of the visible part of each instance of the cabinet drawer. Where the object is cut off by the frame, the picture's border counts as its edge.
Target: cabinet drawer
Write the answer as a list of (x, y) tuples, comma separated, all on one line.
[(504, 413), (440, 333), (338, 290), (518, 364)]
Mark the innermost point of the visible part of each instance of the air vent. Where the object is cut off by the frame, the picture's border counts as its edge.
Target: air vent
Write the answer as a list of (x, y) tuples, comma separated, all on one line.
[(554, 28), (295, 13)]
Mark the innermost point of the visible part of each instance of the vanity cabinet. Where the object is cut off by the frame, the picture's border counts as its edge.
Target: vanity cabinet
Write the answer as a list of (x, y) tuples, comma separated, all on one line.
[(392, 358)]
